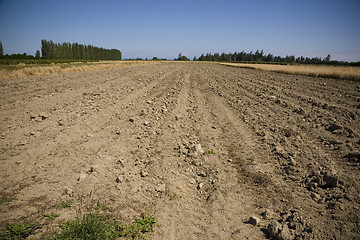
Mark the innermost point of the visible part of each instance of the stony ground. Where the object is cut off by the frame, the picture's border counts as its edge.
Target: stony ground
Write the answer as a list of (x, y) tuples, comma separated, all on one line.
[(213, 152)]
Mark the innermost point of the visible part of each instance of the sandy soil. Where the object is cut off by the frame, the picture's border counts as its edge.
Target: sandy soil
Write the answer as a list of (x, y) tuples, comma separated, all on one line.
[(213, 152)]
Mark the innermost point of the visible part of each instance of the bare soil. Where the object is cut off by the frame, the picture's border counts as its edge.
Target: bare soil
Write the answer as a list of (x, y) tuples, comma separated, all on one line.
[(213, 152)]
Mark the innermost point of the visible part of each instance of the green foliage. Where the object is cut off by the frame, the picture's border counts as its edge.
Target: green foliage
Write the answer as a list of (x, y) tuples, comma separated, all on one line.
[(260, 57), (37, 54), (230, 149), (94, 226), (5, 200), (102, 207), (1, 49), (19, 231), (51, 50), (174, 196), (65, 204), (141, 226), (211, 151), (90, 226), (49, 217), (182, 58)]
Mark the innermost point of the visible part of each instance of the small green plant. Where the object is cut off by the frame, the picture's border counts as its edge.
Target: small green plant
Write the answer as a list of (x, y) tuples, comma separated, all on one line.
[(228, 123), (19, 231), (141, 226), (250, 158), (230, 149), (49, 217), (211, 151), (5, 200), (102, 207), (65, 204), (174, 196)]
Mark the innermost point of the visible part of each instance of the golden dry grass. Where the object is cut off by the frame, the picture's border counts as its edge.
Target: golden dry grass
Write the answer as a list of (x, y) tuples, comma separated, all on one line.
[(339, 72), (24, 70)]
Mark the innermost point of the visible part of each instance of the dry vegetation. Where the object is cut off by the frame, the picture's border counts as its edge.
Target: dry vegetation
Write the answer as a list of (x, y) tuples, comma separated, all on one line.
[(24, 70), (342, 72)]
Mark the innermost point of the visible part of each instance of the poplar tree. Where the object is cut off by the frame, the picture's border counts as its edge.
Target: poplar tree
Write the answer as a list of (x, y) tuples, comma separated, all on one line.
[(1, 49), (37, 54)]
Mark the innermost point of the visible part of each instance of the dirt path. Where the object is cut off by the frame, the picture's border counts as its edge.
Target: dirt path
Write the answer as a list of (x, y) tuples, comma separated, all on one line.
[(202, 147)]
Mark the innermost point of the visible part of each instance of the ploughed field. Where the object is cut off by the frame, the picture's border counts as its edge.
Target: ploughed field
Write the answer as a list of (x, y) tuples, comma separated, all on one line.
[(212, 151)]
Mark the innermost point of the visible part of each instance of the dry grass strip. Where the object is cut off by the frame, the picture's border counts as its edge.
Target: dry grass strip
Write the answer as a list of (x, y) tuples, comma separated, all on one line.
[(24, 70), (338, 72)]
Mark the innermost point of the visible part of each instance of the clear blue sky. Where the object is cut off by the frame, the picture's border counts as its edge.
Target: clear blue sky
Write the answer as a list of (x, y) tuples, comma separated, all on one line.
[(148, 28)]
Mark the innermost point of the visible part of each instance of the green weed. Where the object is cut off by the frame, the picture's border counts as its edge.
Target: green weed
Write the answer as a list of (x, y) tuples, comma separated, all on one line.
[(102, 207), (174, 196), (65, 204), (5, 200), (49, 217), (94, 226), (90, 226), (241, 162), (230, 149), (141, 226), (19, 231), (211, 151)]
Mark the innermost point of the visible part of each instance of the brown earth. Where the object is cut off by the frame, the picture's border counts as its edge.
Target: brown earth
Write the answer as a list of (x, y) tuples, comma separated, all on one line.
[(203, 147)]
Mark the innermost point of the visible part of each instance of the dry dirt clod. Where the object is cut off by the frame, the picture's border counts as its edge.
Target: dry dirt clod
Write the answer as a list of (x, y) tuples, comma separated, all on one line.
[(273, 228), (160, 188), (144, 174), (82, 177), (254, 220), (43, 115), (119, 179), (285, 233)]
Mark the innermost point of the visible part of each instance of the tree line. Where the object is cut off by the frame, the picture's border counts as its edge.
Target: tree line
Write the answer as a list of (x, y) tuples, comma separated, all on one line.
[(73, 51), (66, 50), (260, 56)]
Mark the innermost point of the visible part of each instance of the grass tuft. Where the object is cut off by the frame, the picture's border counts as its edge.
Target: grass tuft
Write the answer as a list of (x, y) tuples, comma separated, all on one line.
[(102, 207), (65, 204), (90, 226), (174, 196), (95, 226), (19, 231), (49, 217), (5, 200)]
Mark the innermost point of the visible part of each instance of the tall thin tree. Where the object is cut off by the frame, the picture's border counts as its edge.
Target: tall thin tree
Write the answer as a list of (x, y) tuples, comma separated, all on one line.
[(1, 49)]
